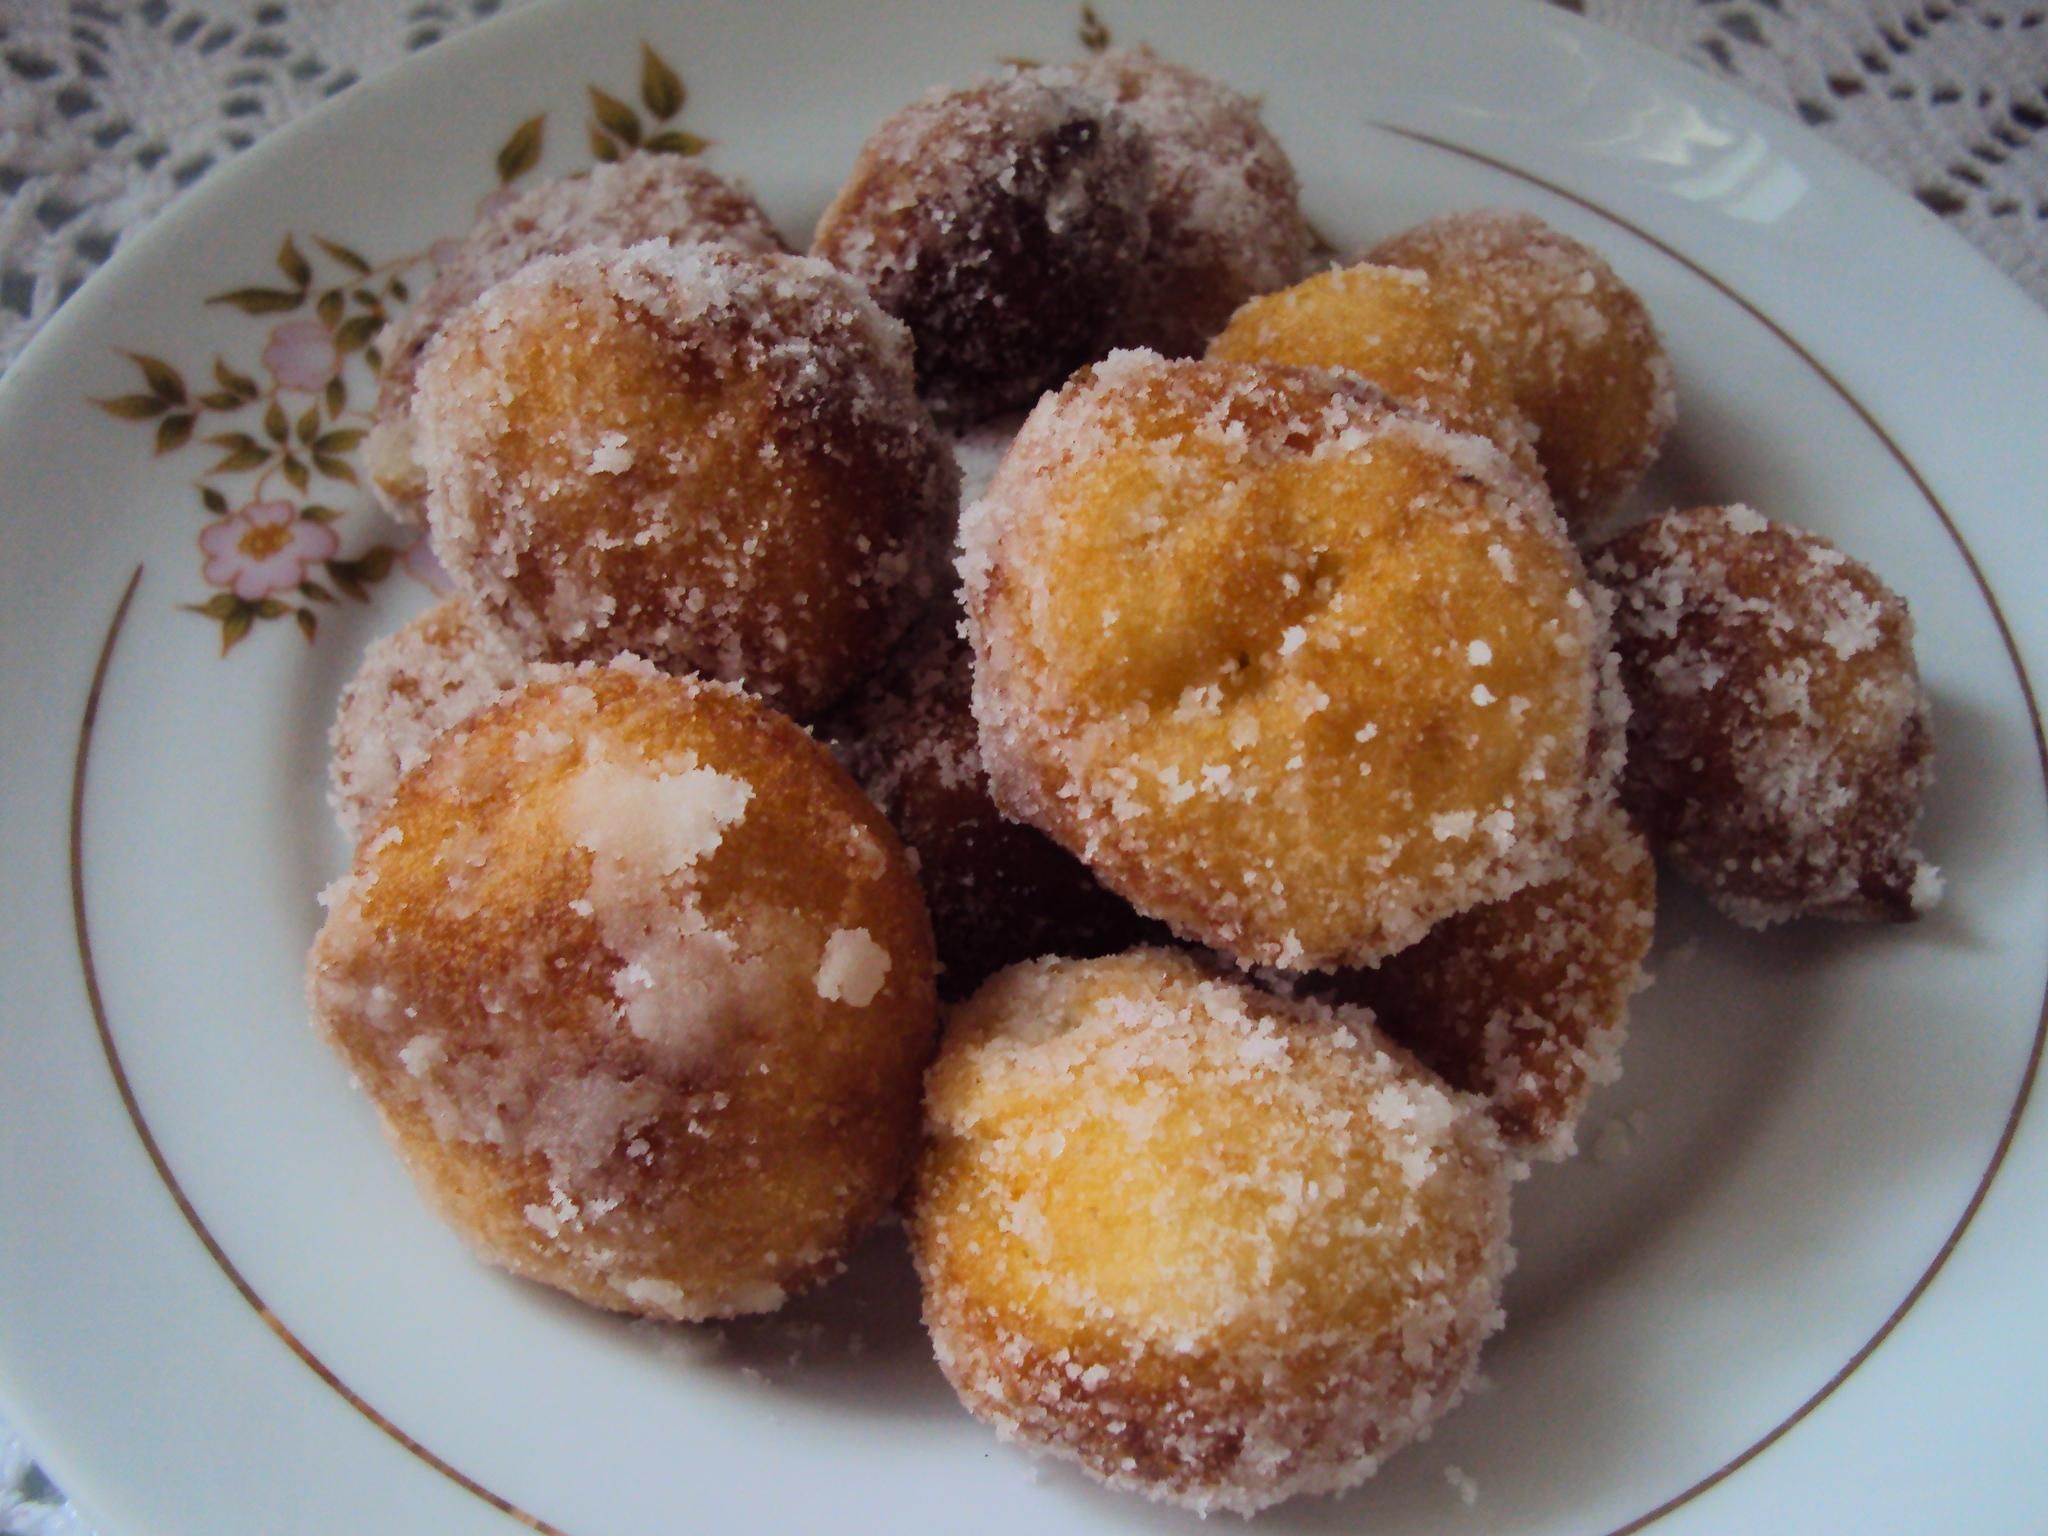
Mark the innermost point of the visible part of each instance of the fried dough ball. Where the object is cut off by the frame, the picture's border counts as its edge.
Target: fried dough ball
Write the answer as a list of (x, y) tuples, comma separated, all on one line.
[(714, 461), (641, 987), (1003, 223), (1218, 1248), (1778, 745), (1525, 1001), (1225, 210), (999, 891), (412, 685), (1387, 325), (1297, 672), (1580, 355), (643, 196)]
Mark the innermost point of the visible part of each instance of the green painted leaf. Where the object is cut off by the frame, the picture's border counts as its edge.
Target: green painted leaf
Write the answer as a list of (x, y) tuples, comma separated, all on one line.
[(308, 625), (397, 289), (661, 88), (356, 331), (330, 306), (337, 396), (375, 358), (165, 382), (375, 562), (296, 472), (261, 301), (343, 574), (240, 383), (297, 270), (343, 254), (275, 424), (308, 425), (602, 146), (243, 452), (332, 468), (1094, 31), (222, 605), (675, 141), (367, 297), (212, 500), (619, 120), (235, 627), (220, 400), (174, 431), (1020, 61), (312, 589), (133, 407), (338, 442), (314, 512), (521, 152)]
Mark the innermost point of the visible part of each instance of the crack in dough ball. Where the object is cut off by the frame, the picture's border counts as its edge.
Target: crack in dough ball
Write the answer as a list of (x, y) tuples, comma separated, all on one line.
[(643, 196), (1218, 1248), (1225, 210), (412, 685), (1576, 345), (641, 987), (715, 461), (1297, 672), (1386, 325), (1779, 746), (1003, 223), (1525, 1001)]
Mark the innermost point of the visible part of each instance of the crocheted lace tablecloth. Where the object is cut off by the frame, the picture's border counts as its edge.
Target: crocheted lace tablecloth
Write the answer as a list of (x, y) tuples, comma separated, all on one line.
[(109, 109)]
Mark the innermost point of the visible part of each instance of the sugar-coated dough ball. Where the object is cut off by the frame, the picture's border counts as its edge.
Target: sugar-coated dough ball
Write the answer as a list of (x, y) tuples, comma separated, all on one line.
[(641, 986), (412, 685), (1525, 1001), (1297, 672), (1225, 210), (1387, 325), (999, 891), (1003, 223), (1581, 356), (643, 196), (1218, 1248), (715, 461), (1778, 744)]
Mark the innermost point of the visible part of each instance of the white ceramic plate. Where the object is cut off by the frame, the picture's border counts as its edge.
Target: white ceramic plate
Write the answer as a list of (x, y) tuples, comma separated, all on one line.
[(1809, 1298)]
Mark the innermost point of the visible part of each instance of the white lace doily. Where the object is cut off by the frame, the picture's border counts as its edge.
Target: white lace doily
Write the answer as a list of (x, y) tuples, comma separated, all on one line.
[(110, 108)]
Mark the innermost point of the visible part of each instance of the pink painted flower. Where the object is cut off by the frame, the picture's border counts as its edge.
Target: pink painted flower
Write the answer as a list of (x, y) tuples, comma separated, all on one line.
[(263, 548), (424, 566), (302, 355)]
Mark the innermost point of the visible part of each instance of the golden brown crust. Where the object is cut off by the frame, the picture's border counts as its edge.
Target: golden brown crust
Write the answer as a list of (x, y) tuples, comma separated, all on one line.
[(1779, 746), (1298, 673), (608, 968), (1387, 325), (1525, 1001), (1576, 345), (1003, 223), (1218, 1248), (715, 461)]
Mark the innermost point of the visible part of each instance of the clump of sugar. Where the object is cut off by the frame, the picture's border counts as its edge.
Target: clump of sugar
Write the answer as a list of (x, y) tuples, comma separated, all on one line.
[(852, 969)]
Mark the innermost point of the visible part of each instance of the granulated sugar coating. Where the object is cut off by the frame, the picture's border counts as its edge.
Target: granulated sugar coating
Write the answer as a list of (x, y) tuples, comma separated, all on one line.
[(412, 685), (641, 986), (1225, 210), (641, 197), (999, 891), (1525, 1001), (1218, 1248), (1576, 345), (1297, 672), (715, 461), (1387, 325), (1778, 747), (1003, 223)]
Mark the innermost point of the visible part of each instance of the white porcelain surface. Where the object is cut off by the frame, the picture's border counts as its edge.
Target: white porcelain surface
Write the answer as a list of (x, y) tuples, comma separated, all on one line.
[(1819, 1106)]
